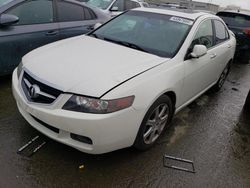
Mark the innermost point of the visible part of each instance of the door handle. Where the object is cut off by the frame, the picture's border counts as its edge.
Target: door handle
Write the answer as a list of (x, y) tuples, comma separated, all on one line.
[(212, 56), (51, 33), (229, 45)]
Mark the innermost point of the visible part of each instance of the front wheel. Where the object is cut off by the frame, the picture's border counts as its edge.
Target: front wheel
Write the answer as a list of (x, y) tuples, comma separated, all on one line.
[(222, 79), (155, 121)]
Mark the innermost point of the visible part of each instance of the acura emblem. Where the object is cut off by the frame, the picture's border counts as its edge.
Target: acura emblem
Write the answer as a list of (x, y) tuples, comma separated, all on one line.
[(34, 91)]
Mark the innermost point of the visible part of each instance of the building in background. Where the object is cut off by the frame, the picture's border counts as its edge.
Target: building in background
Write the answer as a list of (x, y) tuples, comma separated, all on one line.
[(195, 5), (233, 7)]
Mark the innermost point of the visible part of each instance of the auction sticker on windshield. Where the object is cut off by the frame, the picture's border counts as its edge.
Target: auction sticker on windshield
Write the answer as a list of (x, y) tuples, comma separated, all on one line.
[(181, 20)]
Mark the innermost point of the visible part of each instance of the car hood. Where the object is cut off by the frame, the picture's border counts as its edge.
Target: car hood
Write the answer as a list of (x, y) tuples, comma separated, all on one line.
[(86, 65)]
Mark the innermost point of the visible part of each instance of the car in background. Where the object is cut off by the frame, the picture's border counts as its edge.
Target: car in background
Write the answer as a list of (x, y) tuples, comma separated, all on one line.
[(148, 65), (167, 5), (206, 11), (26, 25), (116, 7), (239, 23)]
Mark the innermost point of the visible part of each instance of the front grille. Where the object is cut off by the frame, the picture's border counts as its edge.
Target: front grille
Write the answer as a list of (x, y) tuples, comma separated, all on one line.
[(38, 92), (56, 130)]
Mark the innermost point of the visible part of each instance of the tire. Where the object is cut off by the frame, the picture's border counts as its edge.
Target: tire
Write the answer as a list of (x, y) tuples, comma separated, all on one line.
[(154, 123), (247, 103), (222, 79)]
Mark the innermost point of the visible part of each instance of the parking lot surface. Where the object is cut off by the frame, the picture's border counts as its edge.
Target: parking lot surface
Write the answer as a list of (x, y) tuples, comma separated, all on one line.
[(213, 132)]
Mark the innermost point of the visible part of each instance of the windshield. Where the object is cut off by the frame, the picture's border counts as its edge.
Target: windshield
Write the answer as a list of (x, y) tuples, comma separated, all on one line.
[(3, 2), (102, 4), (154, 33)]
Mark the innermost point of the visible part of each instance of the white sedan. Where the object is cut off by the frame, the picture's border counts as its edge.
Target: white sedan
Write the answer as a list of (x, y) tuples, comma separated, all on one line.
[(120, 85)]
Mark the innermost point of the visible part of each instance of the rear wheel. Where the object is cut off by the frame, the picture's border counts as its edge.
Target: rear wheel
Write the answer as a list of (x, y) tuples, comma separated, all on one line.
[(155, 121), (222, 78)]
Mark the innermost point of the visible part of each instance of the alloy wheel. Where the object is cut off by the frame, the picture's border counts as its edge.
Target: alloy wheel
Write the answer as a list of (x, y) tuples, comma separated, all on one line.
[(156, 123), (223, 77)]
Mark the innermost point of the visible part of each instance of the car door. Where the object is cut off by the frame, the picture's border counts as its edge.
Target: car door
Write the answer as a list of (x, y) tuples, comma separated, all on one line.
[(36, 27), (200, 72), (74, 19), (223, 46), (120, 6)]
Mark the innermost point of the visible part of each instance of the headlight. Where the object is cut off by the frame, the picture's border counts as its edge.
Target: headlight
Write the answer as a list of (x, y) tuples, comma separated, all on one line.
[(97, 106), (19, 69)]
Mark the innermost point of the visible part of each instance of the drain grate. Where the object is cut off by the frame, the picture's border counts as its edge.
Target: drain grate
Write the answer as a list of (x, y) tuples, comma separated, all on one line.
[(184, 162), (32, 146)]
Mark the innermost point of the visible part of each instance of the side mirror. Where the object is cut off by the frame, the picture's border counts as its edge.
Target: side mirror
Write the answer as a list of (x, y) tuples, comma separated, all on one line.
[(114, 9), (97, 25), (198, 51), (8, 19)]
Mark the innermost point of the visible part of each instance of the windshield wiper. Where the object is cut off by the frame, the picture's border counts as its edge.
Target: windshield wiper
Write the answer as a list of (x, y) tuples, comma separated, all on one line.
[(94, 35), (135, 46), (127, 44)]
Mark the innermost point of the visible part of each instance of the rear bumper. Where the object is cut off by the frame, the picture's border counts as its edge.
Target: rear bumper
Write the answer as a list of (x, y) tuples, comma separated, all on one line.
[(243, 45), (242, 48), (107, 132)]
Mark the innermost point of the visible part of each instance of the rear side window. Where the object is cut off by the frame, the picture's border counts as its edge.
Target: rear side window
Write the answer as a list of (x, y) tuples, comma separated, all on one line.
[(68, 12), (234, 19), (89, 14), (221, 33), (33, 12)]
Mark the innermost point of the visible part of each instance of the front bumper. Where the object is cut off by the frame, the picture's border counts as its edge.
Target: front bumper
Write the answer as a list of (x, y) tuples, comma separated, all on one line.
[(107, 132)]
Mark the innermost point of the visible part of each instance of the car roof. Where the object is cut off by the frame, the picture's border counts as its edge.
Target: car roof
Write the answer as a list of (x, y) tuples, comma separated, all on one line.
[(244, 12), (185, 13)]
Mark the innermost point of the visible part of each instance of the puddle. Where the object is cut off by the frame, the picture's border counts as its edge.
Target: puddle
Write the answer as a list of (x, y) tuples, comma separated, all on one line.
[(201, 101), (183, 113), (179, 131), (180, 126)]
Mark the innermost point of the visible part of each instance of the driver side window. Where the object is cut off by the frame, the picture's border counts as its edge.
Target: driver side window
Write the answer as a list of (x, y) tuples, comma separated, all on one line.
[(33, 12), (204, 35)]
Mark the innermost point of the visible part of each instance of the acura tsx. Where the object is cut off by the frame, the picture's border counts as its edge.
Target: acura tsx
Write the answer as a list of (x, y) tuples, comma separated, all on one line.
[(120, 85)]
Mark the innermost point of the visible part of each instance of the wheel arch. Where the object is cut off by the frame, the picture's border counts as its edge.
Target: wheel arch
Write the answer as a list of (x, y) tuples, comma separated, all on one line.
[(172, 96)]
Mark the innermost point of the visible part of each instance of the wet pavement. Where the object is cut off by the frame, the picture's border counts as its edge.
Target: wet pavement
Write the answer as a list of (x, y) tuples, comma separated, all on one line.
[(213, 131)]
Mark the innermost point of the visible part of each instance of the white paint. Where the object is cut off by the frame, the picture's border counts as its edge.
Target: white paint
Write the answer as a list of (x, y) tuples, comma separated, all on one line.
[(90, 66)]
